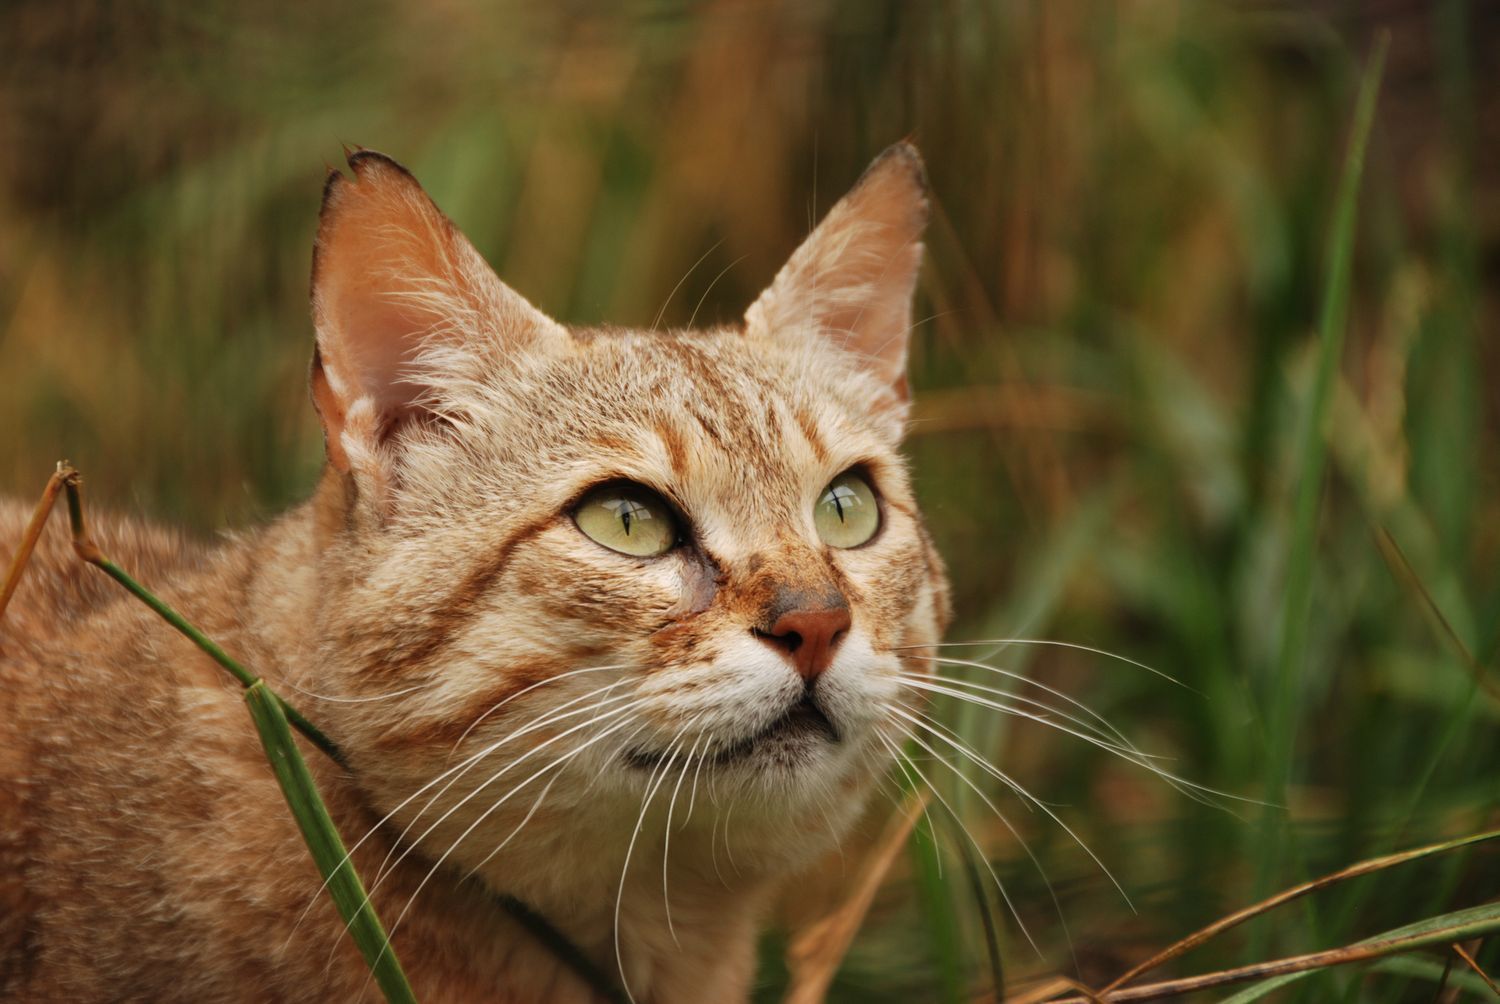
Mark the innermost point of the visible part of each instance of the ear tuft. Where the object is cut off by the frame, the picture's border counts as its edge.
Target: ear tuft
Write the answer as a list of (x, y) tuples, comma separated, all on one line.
[(853, 279)]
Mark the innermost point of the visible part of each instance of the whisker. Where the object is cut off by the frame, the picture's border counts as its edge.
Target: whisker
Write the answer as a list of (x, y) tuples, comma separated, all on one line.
[(667, 834), (658, 775), (1036, 862), (691, 269), (541, 720), (559, 761), (712, 283), (728, 847), (352, 700), (1109, 737), (526, 690), (1004, 643), (632, 705), (964, 748), (901, 765), (1190, 789), (526, 819), (938, 685), (1022, 678), (958, 821), (693, 794), (458, 769)]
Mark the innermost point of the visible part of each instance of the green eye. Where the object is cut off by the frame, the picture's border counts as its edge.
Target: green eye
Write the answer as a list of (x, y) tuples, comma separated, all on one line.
[(627, 518), (846, 515)]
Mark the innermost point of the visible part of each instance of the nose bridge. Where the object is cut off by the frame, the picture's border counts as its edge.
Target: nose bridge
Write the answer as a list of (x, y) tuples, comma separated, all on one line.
[(800, 611), (789, 577)]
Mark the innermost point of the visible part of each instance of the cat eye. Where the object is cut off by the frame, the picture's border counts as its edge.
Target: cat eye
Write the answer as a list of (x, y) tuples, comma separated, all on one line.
[(628, 518), (847, 515)]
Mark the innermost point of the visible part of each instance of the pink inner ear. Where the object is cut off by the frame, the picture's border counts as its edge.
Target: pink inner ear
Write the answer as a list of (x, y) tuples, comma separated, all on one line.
[(379, 337), (855, 275), (391, 274)]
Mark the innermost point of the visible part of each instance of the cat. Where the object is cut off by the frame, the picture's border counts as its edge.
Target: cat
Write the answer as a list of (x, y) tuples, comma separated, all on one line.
[(606, 620)]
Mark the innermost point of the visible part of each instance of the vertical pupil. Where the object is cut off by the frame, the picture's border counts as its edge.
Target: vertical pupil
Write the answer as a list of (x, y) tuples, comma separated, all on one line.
[(838, 495), (625, 513)]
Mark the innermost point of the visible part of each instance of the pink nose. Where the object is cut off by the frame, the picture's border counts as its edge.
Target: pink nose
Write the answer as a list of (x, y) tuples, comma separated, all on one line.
[(808, 637)]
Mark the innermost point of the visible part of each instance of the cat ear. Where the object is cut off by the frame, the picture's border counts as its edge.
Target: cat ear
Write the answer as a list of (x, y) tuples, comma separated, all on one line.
[(854, 277), (394, 285)]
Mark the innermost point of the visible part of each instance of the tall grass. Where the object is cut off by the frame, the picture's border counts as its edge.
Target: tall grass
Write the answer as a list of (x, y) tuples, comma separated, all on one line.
[(1117, 352)]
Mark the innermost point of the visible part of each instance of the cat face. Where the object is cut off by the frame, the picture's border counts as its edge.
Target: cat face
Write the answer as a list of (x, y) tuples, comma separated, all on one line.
[(565, 569)]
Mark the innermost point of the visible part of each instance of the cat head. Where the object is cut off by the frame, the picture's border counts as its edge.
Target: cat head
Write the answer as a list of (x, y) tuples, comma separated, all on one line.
[(593, 562)]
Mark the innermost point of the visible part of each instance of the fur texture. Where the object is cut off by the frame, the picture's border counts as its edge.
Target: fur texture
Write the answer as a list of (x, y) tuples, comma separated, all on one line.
[(524, 710)]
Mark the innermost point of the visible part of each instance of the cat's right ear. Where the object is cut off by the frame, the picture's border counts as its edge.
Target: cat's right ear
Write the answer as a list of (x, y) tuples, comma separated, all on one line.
[(397, 292)]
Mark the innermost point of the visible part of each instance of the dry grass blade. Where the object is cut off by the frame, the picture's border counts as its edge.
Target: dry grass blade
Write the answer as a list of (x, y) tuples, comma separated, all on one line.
[(1240, 916), (815, 955), (1396, 558), (1462, 924), (34, 532), (1462, 953), (1047, 990)]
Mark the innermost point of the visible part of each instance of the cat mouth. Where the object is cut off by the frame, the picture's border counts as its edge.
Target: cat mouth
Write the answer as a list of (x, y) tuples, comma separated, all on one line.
[(802, 725)]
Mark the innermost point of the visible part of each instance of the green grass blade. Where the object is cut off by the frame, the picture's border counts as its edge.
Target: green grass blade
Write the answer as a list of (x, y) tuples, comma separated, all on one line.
[(89, 551), (1312, 451), (323, 841), (940, 915)]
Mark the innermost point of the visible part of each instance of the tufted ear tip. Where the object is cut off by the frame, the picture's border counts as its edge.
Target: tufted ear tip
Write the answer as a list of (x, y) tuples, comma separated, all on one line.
[(900, 161)]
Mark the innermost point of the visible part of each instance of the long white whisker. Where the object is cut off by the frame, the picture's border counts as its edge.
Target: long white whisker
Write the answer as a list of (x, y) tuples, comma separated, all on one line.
[(540, 721), (654, 782), (1024, 679), (1183, 785), (728, 847), (1108, 738), (691, 269), (912, 780), (693, 794), (557, 762), (963, 748), (413, 845), (1005, 642), (526, 690), (352, 700), (937, 685), (666, 845), (454, 772), (958, 820)]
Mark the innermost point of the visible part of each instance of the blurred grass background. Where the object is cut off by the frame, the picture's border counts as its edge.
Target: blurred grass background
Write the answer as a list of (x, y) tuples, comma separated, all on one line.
[(1117, 346)]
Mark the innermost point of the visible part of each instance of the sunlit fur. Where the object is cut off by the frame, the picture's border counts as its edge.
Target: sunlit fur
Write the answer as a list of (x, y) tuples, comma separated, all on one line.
[(515, 700)]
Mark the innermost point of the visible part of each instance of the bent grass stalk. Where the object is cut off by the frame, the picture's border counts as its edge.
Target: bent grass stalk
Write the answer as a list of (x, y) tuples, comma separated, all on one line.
[(274, 720)]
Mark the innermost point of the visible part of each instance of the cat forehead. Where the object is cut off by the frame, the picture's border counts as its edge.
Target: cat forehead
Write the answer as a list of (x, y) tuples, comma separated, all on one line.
[(718, 383), (703, 414)]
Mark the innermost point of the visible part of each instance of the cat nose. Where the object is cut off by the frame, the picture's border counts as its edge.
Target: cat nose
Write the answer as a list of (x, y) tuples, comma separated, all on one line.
[(808, 637)]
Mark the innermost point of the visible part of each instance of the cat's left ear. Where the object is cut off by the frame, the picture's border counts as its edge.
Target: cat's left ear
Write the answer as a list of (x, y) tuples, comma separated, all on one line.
[(853, 279)]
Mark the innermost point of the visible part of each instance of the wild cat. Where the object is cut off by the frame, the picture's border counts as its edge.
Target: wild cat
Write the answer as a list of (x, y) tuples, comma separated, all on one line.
[(591, 613)]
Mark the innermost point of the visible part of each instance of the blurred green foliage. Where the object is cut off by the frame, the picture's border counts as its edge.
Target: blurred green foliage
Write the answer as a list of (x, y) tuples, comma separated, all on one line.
[(1116, 348)]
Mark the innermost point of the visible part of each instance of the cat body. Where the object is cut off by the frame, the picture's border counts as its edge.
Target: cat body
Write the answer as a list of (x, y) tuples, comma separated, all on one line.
[(639, 746)]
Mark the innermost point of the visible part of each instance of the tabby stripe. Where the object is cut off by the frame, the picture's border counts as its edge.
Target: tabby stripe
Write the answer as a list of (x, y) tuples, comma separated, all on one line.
[(401, 659)]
